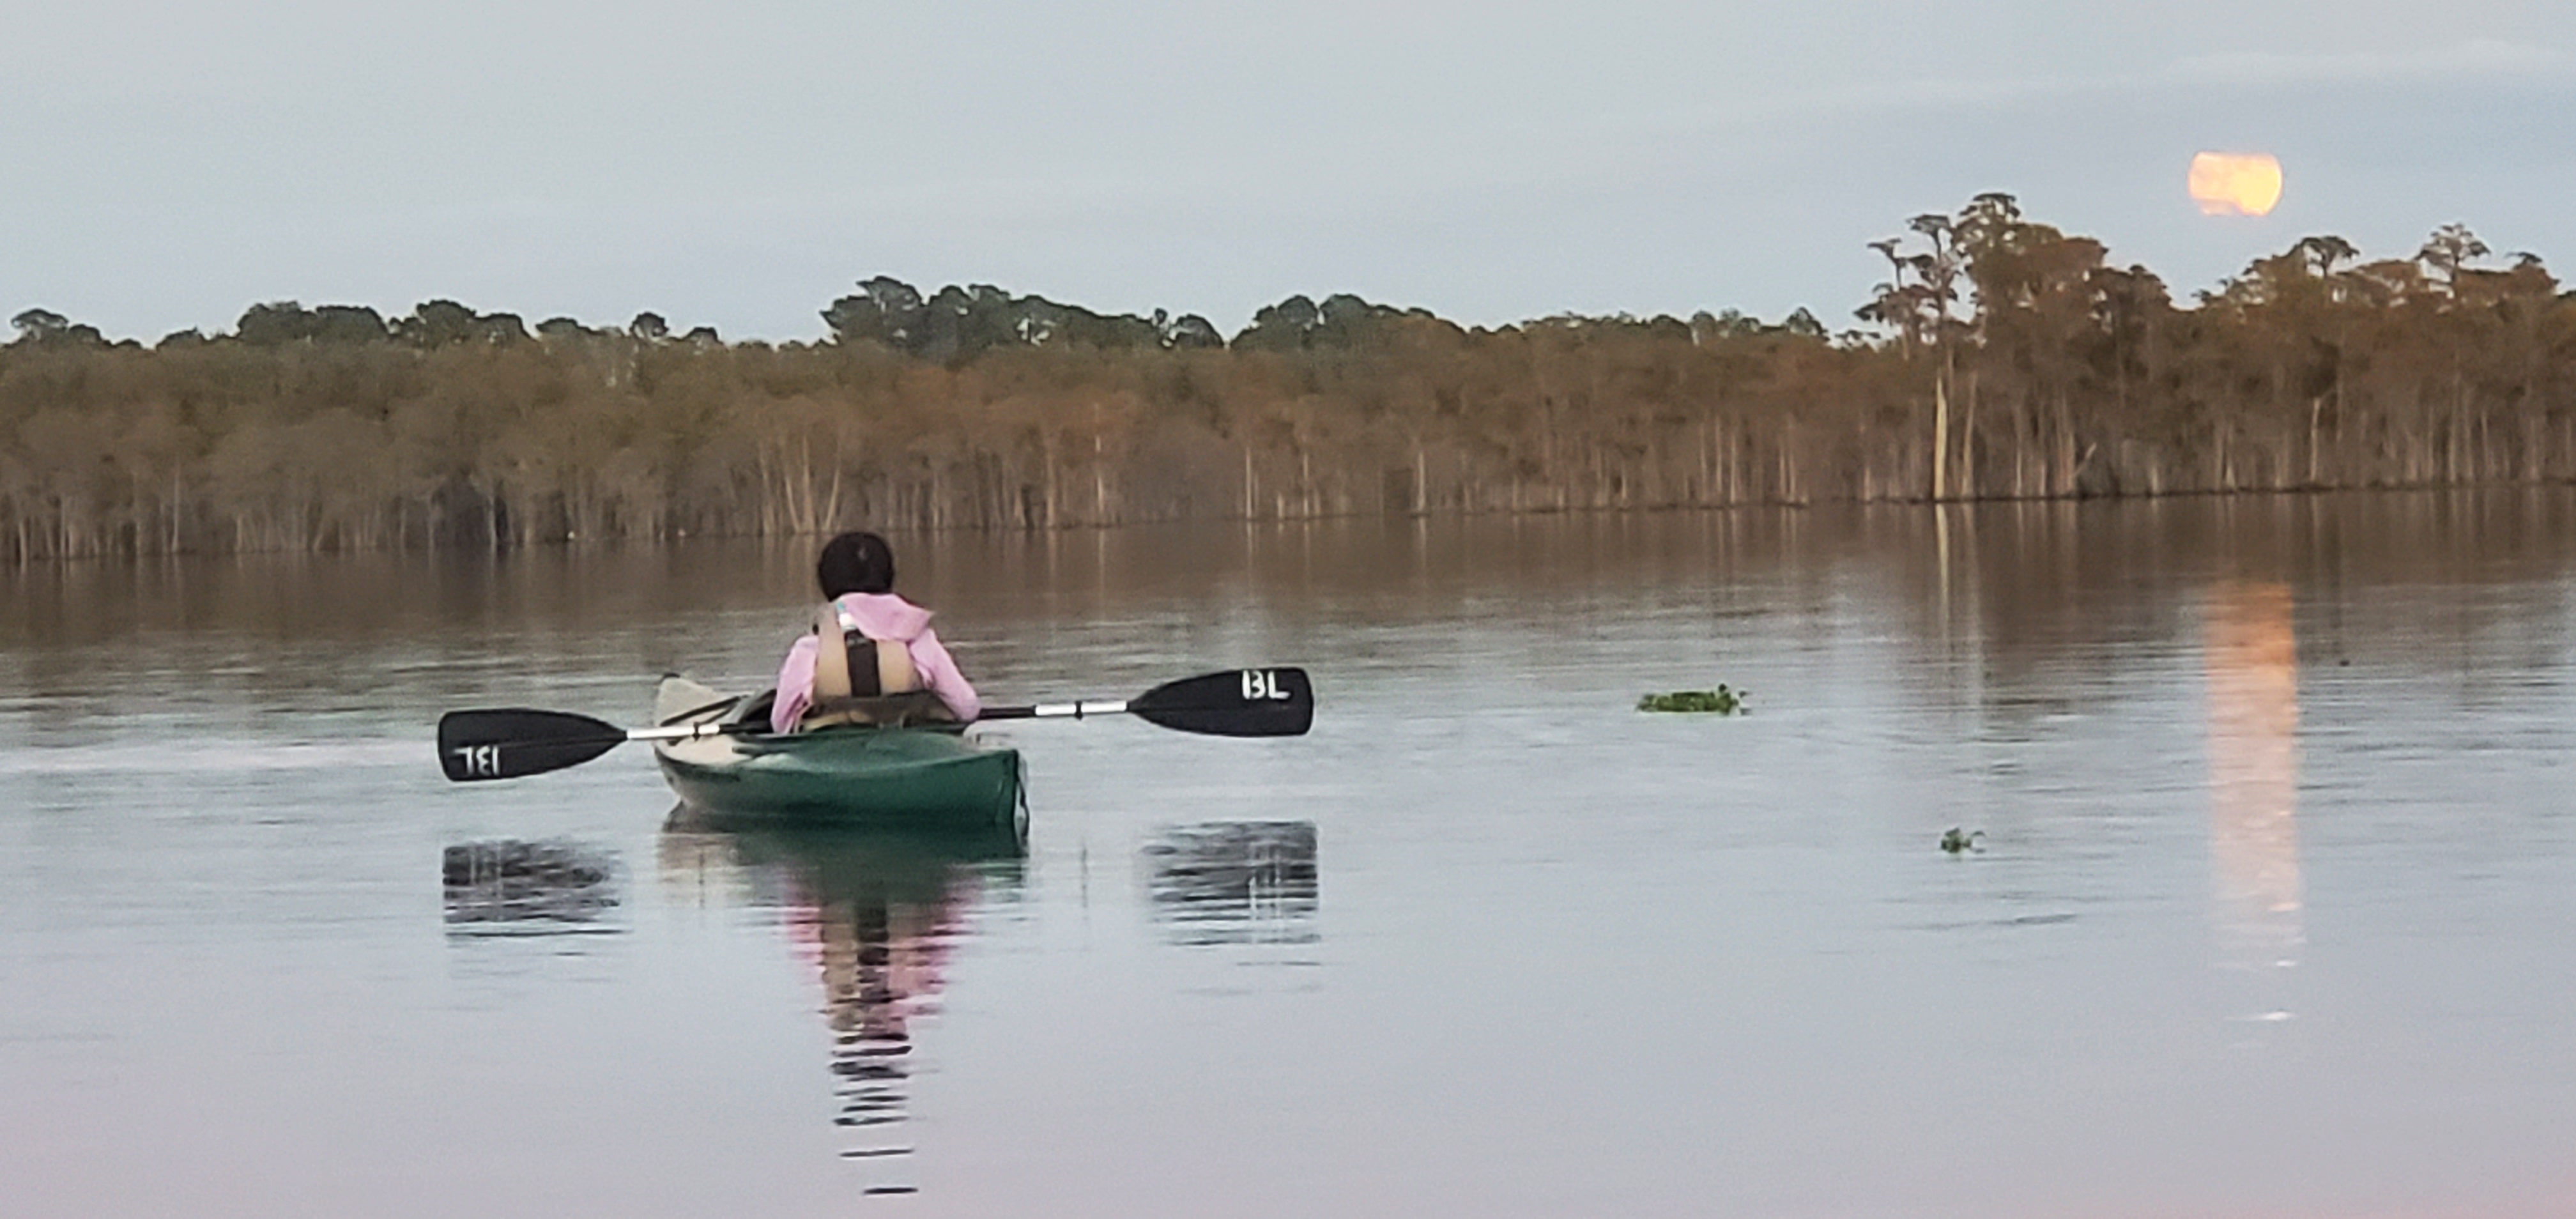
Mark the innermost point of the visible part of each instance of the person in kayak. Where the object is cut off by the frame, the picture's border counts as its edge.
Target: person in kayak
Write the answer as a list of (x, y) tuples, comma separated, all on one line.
[(868, 645)]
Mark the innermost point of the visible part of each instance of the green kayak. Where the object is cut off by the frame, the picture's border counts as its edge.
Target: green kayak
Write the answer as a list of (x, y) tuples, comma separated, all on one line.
[(923, 778)]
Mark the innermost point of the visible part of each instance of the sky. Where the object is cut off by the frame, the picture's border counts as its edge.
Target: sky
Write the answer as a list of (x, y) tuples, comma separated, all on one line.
[(741, 164)]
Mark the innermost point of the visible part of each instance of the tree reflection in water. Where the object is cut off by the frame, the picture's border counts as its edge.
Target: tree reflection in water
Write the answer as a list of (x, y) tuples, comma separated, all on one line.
[(879, 915)]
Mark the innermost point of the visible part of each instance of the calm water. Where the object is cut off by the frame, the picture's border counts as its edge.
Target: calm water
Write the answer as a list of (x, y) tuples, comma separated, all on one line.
[(2273, 914)]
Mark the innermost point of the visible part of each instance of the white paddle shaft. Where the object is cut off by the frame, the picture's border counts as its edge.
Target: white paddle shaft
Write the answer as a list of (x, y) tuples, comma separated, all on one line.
[(676, 732), (1078, 710)]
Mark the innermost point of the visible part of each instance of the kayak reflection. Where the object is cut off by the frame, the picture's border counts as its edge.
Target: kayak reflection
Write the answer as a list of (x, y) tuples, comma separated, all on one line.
[(878, 914), (1234, 882)]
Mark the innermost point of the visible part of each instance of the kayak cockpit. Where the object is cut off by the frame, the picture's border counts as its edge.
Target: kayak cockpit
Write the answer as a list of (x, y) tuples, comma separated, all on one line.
[(929, 774)]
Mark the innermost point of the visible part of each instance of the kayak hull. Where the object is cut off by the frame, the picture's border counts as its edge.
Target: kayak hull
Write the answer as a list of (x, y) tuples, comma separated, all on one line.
[(915, 778)]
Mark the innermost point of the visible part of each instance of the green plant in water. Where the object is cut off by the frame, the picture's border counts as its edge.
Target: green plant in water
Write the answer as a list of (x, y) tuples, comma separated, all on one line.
[(1957, 843), (1720, 701)]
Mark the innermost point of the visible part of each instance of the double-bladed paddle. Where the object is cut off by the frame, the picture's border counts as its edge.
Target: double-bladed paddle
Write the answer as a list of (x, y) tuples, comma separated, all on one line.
[(511, 742)]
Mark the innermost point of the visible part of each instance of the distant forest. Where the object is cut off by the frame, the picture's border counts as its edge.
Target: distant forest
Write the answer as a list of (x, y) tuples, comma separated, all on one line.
[(2000, 358)]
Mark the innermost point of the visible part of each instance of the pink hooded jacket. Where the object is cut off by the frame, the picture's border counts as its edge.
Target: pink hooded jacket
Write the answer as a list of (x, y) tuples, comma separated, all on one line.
[(881, 616)]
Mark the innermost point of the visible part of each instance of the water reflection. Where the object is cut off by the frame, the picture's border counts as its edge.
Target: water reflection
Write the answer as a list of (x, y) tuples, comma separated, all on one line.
[(2013, 597), (2118, 713), (879, 915), (1234, 882), (2251, 656), (508, 886)]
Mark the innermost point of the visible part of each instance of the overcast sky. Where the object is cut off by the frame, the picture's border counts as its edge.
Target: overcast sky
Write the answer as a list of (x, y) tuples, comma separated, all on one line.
[(740, 164)]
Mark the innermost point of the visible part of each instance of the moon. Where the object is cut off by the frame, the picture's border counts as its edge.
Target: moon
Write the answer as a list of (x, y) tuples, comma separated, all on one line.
[(2235, 183)]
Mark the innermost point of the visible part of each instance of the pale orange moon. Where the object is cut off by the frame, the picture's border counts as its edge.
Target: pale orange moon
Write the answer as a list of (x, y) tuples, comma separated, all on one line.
[(2235, 183)]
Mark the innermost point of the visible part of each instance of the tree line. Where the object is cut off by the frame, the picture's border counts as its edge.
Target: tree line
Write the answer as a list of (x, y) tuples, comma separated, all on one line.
[(2000, 358)]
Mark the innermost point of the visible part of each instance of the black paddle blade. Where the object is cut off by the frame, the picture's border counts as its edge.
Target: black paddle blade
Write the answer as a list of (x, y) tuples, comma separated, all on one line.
[(509, 743), (1238, 702)]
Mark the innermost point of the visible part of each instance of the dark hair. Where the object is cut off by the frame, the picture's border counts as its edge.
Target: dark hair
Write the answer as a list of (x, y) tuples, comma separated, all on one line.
[(855, 563)]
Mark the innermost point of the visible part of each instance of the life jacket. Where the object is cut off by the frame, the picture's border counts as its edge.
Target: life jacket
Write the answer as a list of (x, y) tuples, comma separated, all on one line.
[(858, 680)]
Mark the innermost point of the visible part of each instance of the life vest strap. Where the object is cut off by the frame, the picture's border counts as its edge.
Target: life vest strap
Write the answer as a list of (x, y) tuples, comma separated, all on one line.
[(884, 711), (858, 680)]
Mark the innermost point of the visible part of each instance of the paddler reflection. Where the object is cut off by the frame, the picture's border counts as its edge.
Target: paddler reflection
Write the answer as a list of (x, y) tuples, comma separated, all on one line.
[(2251, 659), (879, 916)]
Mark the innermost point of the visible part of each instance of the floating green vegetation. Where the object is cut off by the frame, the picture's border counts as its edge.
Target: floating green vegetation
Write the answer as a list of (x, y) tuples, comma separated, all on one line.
[(1720, 701), (1957, 843)]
